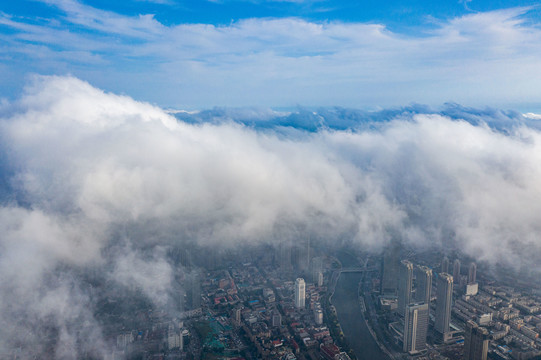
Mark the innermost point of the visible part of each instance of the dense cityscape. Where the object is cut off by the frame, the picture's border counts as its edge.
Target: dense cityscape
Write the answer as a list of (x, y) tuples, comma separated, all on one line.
[(270, 179), (293, 302)]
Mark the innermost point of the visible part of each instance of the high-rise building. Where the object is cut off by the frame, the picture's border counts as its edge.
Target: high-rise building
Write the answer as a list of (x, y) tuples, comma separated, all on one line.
[(175, 341), (237, 313), (185, 257), (316, 268), (319, 279), (195, 290), (276, 319), (443, 304), (445, 265), (476, 340), (472, 289), (423, 275), (405, 284), (456, 272), (284, 255), (318, 316), (472, 273), (415, 328), (174, 338), (389, 269), (300, 254), (307, 254), (124, 340), (300, 293)]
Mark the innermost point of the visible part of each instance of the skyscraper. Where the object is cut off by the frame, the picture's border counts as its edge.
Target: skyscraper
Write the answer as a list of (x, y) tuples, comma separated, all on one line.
[(284, 255), (389, 269), (320, 279), (318, 316), (472, 273), (300, 254), (195, 290), (415, 328), (300, 292), (443, 304), (456, 272), (276, 319), (316, 268), (404, 286), (445, 265), (174, 338), (476, 340), (423, 275), (237, 316)]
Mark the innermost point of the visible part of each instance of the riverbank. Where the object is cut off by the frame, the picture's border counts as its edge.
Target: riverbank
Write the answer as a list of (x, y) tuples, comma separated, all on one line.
[(362, 295), (352, 320)]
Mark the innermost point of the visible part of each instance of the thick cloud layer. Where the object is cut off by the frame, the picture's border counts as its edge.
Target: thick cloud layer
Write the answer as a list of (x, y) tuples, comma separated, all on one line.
[(97, 180)]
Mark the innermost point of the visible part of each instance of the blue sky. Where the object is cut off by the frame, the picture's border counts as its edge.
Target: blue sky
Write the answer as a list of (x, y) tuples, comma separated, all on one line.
[(199, 54)]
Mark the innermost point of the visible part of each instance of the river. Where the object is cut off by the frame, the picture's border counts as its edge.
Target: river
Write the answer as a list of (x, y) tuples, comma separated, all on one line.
[(346, 301)]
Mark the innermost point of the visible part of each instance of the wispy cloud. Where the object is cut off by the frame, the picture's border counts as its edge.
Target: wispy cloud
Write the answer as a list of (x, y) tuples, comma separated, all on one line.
[(466, 4), (271, 1), (106, 22), (162, 2), (490, 57)]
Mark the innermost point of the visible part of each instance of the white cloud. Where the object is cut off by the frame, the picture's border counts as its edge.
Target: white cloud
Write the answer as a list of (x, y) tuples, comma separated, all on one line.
[(478, 59), (161, 2), (89, 167), (269, 1), (533, 116), (142, 26), (131, 162), (153, 274)]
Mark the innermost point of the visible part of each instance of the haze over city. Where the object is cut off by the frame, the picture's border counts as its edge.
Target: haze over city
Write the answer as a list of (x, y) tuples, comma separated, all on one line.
[(147, 148)]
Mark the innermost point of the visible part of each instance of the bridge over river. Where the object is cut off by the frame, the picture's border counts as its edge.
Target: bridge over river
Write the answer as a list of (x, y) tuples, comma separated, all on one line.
[(357, 269)]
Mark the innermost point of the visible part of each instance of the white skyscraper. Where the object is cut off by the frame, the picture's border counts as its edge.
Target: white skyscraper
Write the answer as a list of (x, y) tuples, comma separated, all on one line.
[(300, 293), (318, 316), (174, 338), (415, 328)]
